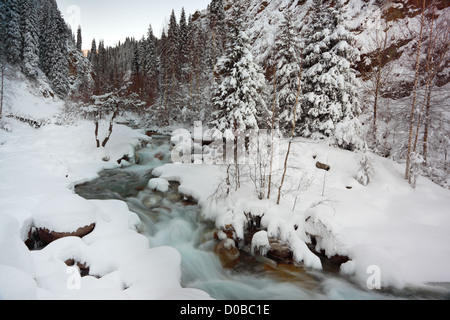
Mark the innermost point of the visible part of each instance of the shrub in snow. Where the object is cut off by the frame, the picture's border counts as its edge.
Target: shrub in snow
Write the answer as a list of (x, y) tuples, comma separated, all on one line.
[(416, 163), (366, 169), (5, 126)]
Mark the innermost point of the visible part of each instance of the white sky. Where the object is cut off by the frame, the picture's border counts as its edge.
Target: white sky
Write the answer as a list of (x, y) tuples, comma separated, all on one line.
[(113, 21)]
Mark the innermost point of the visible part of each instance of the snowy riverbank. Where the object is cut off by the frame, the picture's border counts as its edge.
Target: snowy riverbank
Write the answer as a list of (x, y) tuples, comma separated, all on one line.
[(395, 236)]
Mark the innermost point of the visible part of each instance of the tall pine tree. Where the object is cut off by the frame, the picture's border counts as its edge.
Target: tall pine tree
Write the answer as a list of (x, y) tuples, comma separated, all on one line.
[(53, 47), (79, 39), (12, 30), (30, 43), (287, 62)]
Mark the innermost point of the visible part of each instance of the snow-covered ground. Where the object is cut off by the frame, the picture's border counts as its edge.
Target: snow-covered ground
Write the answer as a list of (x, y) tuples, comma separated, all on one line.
[(38, 170)]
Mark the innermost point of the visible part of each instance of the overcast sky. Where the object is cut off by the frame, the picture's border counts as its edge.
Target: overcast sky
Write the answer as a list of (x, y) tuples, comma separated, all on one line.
[(113, 21)]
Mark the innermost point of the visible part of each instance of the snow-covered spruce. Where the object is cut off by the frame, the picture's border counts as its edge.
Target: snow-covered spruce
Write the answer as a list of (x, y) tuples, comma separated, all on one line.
[(330, 101), (237, 98)]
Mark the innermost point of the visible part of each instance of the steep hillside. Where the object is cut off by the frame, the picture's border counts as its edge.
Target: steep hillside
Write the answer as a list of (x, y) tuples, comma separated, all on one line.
[(364, 17)]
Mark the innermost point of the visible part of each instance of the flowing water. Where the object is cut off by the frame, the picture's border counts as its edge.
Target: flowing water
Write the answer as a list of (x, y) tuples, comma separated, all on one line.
[(172, 221)]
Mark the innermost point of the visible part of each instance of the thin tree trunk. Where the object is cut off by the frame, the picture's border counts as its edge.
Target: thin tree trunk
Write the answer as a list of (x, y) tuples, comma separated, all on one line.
[(293, 130), (198, 76), (434, 69), (413, 105), (273, 129), (111, 126), (236, 157), (375, 104), (214, 57), (429, 78), (427, 124), (2, 89), (166, 109), (96, 134)]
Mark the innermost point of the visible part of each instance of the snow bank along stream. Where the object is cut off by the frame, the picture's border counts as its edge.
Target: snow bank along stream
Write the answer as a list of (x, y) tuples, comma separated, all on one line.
[(170, 219)]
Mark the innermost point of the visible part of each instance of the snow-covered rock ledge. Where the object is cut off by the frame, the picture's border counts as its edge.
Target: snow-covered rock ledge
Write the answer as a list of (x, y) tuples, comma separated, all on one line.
[(38, 169)]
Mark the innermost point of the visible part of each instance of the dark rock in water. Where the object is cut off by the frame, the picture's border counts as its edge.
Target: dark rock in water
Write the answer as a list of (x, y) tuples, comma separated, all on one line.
[(228, 231), (33, 242), (280, 251), (124, 158), (159, 156), (150, 133), (227, 253), (174, 197), (188, 202), (152, 201), (47, 237), (331, 264)]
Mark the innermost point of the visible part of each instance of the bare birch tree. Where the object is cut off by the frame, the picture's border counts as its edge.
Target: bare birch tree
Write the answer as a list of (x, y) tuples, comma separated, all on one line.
[(412, 118), (294, 122), (377, 71)]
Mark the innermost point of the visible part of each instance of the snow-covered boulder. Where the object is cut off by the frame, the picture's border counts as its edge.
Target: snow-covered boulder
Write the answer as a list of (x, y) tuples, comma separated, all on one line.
[(64, 216), (159, 184)]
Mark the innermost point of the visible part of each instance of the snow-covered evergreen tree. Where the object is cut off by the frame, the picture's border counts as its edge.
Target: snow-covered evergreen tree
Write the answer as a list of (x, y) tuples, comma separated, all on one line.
[(330, 104), (183, 46), (92, 56), (217, 24), (79, 39), (30, 47), (12, 29), (173, 47), (237, 99), (287, 62), (101, 69), (151, 66), (53, 47)]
